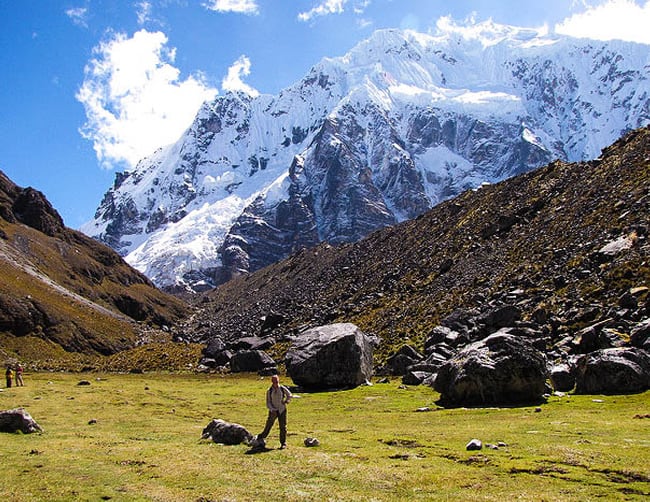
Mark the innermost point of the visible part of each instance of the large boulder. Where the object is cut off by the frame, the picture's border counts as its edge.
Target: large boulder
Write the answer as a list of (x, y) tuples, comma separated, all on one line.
[(251, 343), (500, 369), (398, 363), (613, 371), (596, 337), (251, 360), (439, 335), (330, 357), (18, 419), (214, 347), (224, 432), (562, 378), (640, 335), (417, 377)]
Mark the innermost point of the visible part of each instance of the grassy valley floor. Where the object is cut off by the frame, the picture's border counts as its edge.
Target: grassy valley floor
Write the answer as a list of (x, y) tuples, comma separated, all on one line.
[(137, 437)]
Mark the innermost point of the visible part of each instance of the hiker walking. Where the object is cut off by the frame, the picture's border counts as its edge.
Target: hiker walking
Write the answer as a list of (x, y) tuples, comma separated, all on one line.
[(277, 398)]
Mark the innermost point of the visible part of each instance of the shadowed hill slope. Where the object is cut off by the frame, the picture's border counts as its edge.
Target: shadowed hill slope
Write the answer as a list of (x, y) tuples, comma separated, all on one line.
[(567, 244), (61, 291)]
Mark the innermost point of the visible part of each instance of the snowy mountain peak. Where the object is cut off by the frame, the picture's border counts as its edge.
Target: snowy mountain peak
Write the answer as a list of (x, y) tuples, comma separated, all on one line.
[(401, 122)]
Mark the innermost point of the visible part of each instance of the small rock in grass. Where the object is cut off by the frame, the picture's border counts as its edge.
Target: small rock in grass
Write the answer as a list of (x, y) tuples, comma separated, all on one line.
[(309, 442), (474, 444)]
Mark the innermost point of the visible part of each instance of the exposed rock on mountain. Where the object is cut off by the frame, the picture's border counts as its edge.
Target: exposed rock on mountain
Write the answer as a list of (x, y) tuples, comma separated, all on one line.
[(378, 136), (524, 255), (63, 291)]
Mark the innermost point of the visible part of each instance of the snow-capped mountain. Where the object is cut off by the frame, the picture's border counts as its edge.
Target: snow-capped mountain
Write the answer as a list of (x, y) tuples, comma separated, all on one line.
[(379, 135)]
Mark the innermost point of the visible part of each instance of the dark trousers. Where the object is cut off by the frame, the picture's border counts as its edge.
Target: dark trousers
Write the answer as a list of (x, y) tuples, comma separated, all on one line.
[(282, 421)]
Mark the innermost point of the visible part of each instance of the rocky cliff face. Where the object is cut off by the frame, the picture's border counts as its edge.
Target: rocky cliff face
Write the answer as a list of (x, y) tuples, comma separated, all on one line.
[(378, 136), (560, 255)]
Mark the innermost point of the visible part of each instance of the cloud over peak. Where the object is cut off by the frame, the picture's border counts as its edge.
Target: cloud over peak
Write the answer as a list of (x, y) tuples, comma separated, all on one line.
[(134, 98), (233, 80)]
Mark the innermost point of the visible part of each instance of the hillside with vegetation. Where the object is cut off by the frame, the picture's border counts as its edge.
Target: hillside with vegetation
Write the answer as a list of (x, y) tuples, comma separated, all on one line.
[(63, 294), (566, 245)]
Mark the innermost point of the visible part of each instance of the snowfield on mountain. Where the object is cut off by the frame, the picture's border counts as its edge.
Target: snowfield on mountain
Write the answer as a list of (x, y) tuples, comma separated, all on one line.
[(378, 136)]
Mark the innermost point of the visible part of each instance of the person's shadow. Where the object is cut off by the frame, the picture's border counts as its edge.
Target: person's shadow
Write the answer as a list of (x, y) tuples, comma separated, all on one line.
[(258, 449)]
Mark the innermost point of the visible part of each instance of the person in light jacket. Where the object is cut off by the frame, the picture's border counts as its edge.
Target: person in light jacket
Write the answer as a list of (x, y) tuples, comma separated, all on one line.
[(19, 375), (277, 398)]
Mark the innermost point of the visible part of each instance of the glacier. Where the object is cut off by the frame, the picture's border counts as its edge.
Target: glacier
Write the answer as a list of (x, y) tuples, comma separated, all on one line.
[(379, 135)]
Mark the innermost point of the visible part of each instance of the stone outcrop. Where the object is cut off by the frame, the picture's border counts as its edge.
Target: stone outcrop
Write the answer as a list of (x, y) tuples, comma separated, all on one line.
[(399, 363), (245, 354)]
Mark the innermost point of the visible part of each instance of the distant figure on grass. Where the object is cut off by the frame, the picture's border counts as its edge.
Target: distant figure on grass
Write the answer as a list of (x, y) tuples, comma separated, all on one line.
[(277, 398), (19, 375), (9, 374)]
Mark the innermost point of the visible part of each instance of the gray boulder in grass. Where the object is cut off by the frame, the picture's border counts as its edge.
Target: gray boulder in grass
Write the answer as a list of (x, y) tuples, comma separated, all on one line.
[(18, 419), (613, 371), (333, 356), (224, 432), (500, 369)]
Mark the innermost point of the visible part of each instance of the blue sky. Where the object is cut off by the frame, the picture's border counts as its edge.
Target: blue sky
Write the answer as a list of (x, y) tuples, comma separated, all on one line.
[(88, 87)]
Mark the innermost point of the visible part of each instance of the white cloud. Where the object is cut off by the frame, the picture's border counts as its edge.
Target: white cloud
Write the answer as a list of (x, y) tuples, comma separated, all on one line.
[(361, 6), (364, 23), (134, 100), (143, 11), (233, 80), (78, 15), (240, 6), (613, 19), (327, 7)]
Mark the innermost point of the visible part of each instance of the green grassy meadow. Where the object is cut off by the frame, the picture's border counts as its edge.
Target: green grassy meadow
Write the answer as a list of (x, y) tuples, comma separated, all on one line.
[(144, 444)]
